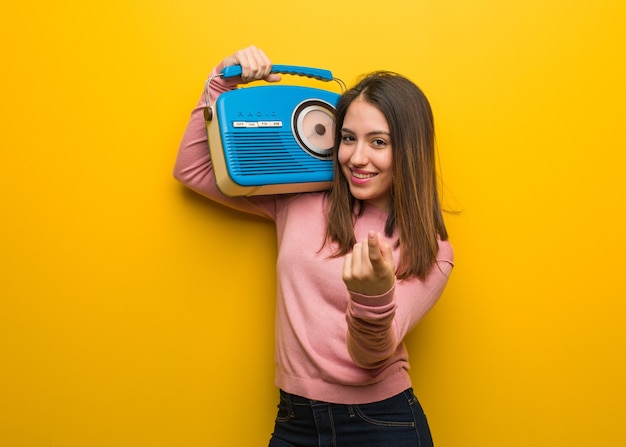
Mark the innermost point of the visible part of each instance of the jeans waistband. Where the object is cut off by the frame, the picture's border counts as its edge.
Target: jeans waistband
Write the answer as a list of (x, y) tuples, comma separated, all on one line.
[(294, 399)]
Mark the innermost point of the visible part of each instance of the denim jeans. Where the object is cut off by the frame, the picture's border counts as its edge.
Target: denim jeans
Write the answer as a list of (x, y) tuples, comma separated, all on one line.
[(395, 422)]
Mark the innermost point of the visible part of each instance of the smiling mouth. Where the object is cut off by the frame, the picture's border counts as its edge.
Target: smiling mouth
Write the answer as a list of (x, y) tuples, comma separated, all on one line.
[(362, 175)]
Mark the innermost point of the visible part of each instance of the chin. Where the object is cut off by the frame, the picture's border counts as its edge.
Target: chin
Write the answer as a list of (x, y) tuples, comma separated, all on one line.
[(363, 197)]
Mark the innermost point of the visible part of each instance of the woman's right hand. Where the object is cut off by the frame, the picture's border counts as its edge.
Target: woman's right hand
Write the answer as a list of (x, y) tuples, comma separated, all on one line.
[(370, 269), (255, 65)]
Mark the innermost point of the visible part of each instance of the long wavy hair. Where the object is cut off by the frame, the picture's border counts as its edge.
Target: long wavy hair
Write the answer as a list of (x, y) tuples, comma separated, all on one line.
[(415, 209)]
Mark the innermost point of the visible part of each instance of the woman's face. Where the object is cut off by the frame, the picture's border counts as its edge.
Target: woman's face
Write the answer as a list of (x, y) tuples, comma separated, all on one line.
[(365, 154)]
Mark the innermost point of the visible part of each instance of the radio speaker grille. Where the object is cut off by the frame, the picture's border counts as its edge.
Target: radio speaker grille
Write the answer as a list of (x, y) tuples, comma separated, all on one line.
[(272, 152)]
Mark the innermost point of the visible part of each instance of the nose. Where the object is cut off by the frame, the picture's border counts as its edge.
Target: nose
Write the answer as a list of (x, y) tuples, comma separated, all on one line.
[(359, 155)]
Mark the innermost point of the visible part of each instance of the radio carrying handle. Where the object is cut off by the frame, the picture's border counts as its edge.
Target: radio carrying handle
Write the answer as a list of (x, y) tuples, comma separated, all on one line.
[(235, 70), (309, 72)]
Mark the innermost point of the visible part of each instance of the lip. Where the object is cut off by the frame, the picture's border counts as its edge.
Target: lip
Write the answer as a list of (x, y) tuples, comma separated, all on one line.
[(357, 176)]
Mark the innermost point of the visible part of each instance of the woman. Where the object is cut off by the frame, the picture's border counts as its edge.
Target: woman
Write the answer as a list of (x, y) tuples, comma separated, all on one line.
[(358, 266)]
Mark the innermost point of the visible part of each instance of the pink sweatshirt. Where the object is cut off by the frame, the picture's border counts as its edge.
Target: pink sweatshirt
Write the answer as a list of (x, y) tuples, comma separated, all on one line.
[(331, 345)]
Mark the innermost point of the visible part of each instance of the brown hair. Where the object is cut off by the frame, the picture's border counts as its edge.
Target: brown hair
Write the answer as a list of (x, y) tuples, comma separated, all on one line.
[(415, 207)]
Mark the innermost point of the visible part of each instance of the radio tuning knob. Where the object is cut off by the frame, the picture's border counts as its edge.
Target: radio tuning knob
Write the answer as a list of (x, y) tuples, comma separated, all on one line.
[(320, 129), (208, 113)]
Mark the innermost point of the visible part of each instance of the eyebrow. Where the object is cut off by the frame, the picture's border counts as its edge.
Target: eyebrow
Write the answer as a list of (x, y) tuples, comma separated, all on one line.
[(369, 134)]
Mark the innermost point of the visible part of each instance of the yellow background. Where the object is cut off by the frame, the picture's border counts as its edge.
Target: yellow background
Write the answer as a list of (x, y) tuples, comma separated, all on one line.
[(134, 313)]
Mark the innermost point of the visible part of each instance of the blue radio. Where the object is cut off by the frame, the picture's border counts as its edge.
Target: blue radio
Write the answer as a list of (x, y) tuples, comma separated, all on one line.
[(273, 139)]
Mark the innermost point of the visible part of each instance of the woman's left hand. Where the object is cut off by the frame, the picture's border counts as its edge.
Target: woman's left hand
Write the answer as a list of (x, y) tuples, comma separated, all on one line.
[(370, 269)]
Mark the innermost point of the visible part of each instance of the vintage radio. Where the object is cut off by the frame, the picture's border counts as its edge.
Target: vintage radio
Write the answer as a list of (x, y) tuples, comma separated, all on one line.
[(273, 139)]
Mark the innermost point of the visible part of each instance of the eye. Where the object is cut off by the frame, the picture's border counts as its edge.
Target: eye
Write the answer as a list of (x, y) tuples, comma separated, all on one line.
[(379, 142), (346, 138)]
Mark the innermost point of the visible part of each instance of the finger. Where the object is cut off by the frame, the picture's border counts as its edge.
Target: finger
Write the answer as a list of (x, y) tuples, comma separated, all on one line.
[(255, 65), (264, 67), (358, 261), (374, 254), (379, 253), (246, 59), (258, 65), (387, 252), (273, 77), (249, 59), (346, 273)]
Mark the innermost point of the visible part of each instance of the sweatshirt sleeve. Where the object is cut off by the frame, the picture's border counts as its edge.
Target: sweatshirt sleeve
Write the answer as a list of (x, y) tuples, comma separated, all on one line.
[(378, 324), (193, 166), (371, 335)]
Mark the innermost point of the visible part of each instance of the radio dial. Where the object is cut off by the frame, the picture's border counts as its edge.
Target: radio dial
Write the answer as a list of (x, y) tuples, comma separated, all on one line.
[(313, 127)]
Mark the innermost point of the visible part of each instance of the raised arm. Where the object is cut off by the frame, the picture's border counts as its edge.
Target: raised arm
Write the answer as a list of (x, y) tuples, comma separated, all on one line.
[(193, 166)]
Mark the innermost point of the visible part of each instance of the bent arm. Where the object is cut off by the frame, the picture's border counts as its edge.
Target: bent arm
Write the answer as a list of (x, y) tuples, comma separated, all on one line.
[(377, 325)]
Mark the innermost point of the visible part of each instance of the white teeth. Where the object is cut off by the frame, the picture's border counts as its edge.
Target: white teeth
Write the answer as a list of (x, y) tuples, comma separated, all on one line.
[(362, 176)]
